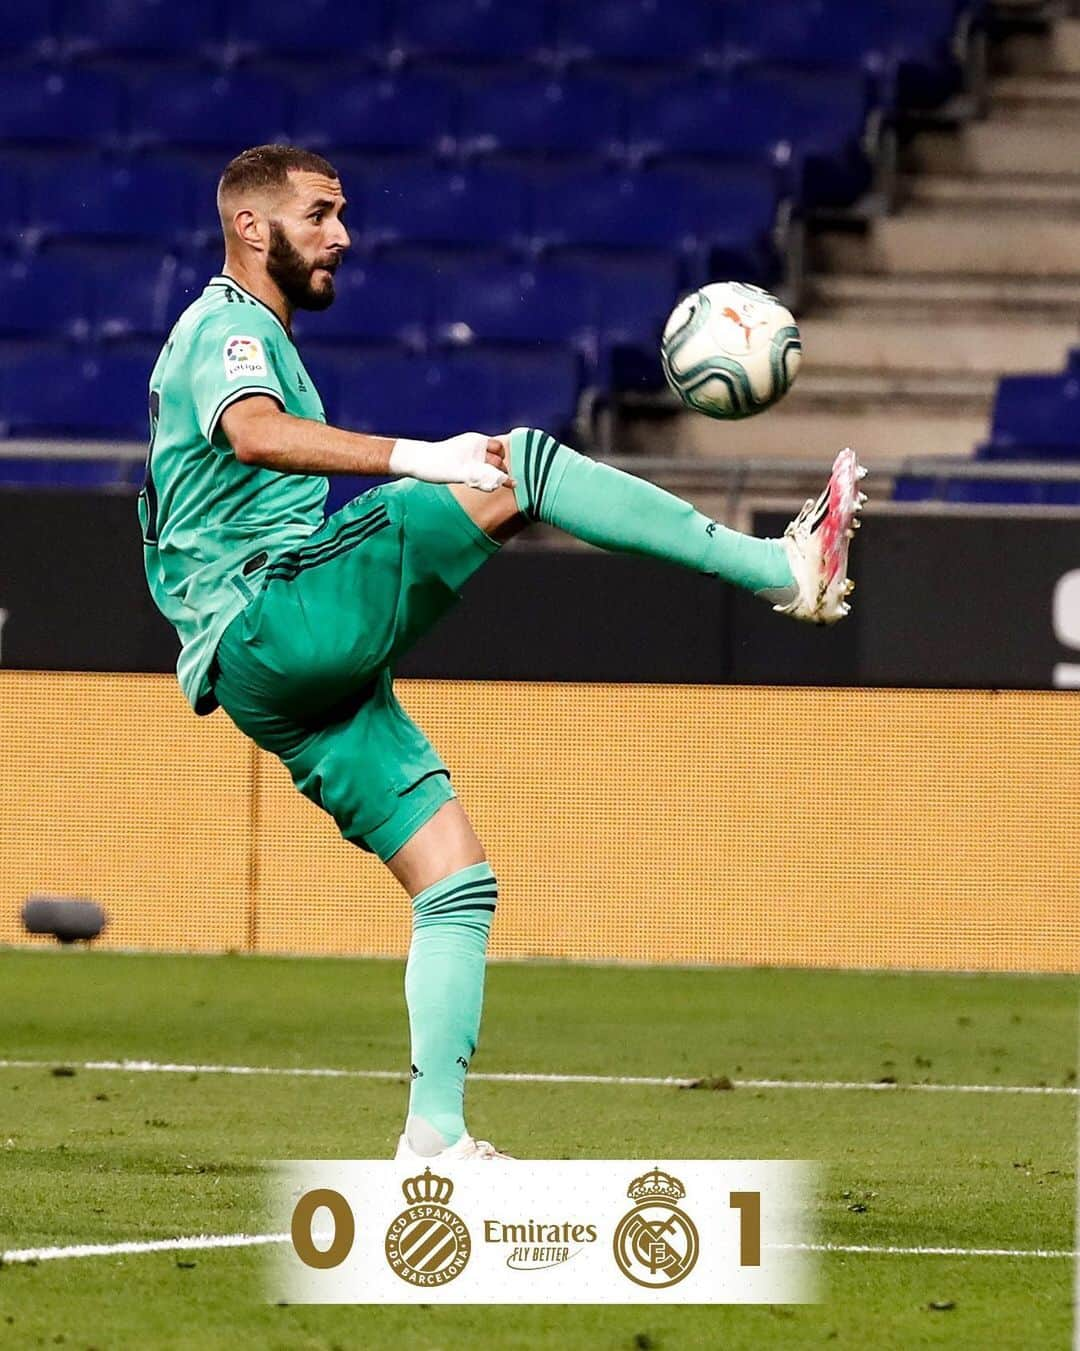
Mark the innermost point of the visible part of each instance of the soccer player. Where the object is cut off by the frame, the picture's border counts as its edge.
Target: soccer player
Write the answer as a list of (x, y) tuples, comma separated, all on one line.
[(292, 621)]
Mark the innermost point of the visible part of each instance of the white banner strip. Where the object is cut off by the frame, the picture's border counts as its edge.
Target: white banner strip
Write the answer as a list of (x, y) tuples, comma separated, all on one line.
[(544, 1231)]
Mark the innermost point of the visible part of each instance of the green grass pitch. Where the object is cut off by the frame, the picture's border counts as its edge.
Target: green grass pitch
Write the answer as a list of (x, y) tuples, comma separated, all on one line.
[(101, 1156)]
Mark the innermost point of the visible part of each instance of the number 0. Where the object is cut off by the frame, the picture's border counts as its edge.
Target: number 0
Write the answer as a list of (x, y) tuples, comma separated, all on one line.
[(344, 1229)]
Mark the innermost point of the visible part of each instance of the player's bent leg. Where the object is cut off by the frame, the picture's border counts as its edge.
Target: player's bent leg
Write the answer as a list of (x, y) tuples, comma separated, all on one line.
[(618, 511), (454, 894), (497, 514)]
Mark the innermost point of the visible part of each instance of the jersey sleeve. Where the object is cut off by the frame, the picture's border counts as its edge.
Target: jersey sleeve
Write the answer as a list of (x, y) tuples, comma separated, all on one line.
[(231, 358)]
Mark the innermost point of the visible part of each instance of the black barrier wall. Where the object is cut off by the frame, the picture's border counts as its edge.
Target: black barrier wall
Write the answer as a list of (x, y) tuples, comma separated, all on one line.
[(941, 600)]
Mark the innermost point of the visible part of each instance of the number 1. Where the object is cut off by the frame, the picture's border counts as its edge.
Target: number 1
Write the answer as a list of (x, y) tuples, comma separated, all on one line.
[(748, 1204)]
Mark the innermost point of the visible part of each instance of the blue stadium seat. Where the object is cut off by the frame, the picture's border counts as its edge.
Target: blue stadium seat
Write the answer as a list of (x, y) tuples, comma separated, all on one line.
[(825, 114), (134, 294), (699, 118), (497, 302), (141, 27), (536, 390), (536, 114), (813, 34), (306, 29), (902, 46), (633, 300), (435, 397), (30, 30), (444, 207), (86, 198), (920, 38), (378, 112), (377, 301), (738, 210), (12, 201), (202, 108), (44, 105), (1035, 417), (581, 208), (809, 127), (638, 32), (49, 391), (390, 395), (611, 311), (732, 212), (44, 297), (470, 30)]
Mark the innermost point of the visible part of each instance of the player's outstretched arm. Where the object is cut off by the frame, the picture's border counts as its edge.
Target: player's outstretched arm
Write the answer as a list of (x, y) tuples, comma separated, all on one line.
[(261, 433)]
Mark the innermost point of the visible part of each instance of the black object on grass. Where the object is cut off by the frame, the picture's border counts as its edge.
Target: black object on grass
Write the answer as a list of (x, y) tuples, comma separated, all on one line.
[(65, 918)]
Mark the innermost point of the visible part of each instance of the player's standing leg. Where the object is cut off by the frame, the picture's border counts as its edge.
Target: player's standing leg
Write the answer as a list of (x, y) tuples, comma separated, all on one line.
[(454, 894)]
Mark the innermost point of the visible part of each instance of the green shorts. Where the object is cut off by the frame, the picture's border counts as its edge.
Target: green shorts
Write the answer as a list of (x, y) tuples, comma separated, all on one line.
[(305, 668)]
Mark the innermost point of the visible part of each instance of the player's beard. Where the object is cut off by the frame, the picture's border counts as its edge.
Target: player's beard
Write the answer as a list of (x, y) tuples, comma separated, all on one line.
[(292, 272)]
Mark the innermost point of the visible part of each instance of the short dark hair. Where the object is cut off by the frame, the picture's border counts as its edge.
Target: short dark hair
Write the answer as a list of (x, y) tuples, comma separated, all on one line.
[(268, 166)]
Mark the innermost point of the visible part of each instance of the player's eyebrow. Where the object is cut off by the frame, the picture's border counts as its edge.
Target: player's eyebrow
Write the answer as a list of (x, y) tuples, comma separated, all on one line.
[(326, 204)]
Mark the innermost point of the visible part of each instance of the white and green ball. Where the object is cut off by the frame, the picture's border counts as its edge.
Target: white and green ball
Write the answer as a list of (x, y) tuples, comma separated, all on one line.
[(730, 350)]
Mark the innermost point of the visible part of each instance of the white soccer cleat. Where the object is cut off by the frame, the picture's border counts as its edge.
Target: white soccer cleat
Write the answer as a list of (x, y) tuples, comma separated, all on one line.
[(816, 543), (465, 1148)]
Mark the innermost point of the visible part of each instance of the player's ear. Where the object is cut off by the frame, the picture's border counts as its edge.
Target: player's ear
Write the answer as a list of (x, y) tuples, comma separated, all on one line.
[(250, 226)]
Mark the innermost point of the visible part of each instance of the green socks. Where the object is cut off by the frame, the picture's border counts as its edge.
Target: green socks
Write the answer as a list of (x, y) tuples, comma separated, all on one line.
[(444, 991), (617, 511)]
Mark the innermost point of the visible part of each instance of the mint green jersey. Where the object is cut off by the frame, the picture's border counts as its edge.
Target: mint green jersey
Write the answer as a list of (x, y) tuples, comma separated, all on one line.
[(203, 513)]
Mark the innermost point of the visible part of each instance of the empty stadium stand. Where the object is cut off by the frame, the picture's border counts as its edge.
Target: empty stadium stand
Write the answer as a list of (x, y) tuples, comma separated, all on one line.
[(532, 186)]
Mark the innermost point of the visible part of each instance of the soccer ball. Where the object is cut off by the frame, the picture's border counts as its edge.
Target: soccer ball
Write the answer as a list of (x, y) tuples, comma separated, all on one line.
[(730, 350)]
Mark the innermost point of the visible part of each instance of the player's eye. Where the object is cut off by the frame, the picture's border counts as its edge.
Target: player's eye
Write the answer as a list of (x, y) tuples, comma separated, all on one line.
[(317, 216)]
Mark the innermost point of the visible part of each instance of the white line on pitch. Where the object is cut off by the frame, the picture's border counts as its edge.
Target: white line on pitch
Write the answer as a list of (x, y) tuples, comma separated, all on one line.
[(147, 1245), (633, 1080), (203, 1241), (921, 1252)]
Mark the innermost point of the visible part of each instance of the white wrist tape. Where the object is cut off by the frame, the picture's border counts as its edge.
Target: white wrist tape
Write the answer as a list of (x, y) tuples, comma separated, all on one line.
[(460, 459)]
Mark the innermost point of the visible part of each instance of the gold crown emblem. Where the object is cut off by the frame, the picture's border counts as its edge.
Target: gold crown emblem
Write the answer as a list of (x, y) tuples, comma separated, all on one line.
[(656, 1186), (428, 1187)]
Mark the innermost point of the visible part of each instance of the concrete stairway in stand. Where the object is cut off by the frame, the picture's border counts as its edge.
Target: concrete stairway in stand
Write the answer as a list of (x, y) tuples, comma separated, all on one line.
[(910, 321)]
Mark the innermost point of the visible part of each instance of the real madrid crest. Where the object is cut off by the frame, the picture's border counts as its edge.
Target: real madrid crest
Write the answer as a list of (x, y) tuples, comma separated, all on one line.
[(427, 1244), (656, 1243)]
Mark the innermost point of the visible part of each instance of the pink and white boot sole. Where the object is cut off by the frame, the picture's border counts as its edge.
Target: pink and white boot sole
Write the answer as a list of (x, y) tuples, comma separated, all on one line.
[(817, 541)]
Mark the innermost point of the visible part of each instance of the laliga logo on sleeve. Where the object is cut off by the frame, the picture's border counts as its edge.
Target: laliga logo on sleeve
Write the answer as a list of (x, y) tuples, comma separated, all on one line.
[(656, 1244), (244, 356)]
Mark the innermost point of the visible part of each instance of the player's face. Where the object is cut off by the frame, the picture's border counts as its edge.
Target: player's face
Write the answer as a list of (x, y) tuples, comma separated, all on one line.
[(307, 240)]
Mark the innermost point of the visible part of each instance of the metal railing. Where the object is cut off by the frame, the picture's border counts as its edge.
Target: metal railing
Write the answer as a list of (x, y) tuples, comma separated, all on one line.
[(726, 488)]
